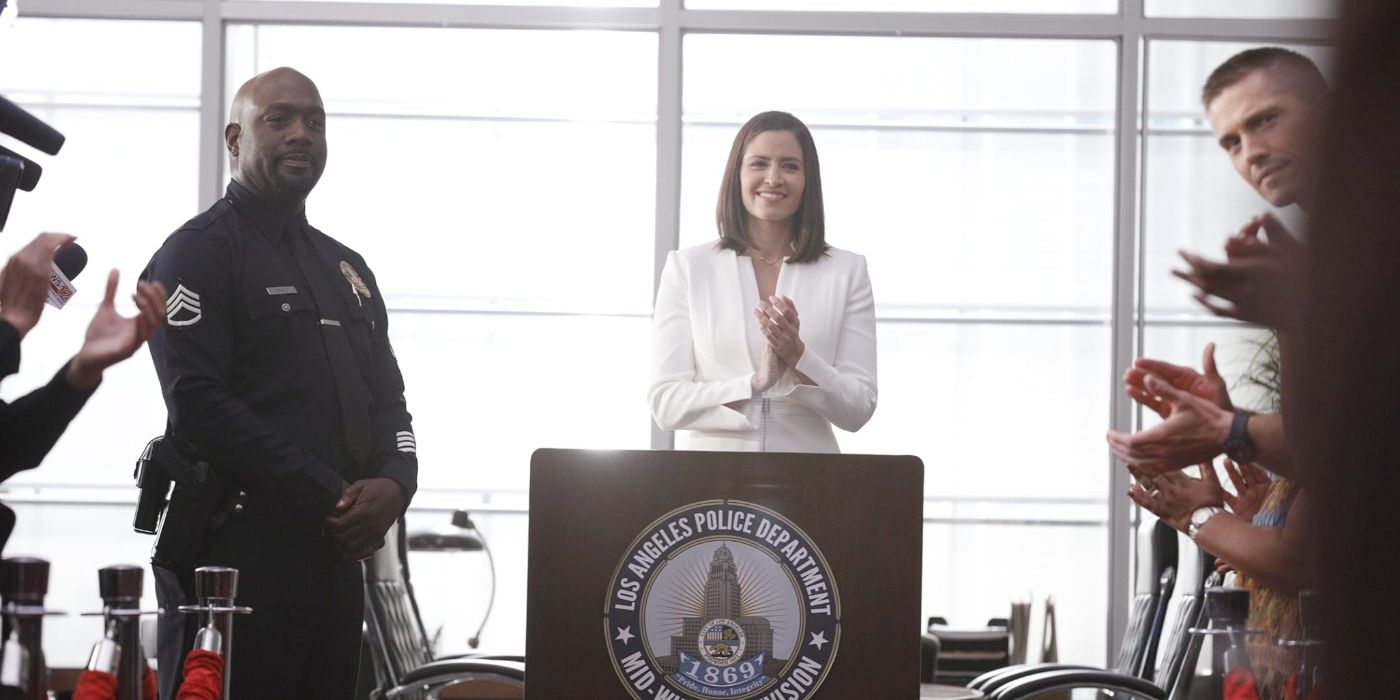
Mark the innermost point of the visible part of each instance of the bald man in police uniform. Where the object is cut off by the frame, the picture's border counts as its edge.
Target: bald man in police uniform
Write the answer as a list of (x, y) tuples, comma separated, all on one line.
[(286, 410)]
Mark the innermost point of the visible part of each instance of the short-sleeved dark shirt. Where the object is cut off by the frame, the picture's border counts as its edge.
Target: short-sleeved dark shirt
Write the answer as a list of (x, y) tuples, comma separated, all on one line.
[(243, 365)]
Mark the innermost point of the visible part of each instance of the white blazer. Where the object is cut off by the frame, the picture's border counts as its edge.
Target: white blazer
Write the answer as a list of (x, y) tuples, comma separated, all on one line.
[(700, 357)]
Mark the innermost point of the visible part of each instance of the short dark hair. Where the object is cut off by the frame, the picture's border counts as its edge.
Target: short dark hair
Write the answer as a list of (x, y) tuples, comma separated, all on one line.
[(1302, 74), (808, 224)]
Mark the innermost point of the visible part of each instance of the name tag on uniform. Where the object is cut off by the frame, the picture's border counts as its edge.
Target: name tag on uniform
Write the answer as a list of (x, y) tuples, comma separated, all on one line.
[(278, 291)]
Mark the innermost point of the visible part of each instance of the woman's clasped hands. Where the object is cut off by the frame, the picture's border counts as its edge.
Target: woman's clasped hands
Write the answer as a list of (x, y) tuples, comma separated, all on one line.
[(778, 320)]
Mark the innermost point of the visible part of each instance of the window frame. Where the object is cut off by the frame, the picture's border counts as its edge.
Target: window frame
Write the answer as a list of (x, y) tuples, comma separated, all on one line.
[(1128, 27)]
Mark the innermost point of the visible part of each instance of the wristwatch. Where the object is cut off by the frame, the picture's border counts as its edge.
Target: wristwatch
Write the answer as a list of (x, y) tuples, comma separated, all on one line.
[(1199, 518), (1238, 446)]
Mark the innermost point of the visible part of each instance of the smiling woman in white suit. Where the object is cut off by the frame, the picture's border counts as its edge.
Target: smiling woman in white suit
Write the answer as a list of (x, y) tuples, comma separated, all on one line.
[(733, 364)]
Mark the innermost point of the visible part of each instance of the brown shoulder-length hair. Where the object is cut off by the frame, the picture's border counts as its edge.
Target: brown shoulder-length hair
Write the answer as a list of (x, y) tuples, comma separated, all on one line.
[(808, 224)]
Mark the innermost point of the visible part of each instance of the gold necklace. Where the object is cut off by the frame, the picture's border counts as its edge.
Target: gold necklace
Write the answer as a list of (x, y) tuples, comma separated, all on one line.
[(759, 254)]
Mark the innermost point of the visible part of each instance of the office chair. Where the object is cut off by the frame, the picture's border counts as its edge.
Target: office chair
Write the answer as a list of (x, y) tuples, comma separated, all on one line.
[(1157, 574), (403, 660), (1177, 662)]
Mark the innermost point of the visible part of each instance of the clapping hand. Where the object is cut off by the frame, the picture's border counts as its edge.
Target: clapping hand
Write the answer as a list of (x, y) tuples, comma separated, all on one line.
[(770, 370), (1252, 486), (112, 337), (778, 319), (1173, 496), (1260, 281), (1193, 432), (1209, 386)]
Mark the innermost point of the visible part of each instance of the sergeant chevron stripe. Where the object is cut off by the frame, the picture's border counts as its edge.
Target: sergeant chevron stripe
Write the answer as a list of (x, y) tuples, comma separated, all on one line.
[(183, 300), (407, 443)]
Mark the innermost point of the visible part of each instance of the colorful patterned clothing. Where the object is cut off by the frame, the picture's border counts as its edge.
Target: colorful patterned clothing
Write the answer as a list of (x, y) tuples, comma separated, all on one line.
[(1273, 610)]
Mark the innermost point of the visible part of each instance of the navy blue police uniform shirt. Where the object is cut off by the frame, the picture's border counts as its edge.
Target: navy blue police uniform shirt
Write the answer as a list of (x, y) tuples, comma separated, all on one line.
[(243, 367)]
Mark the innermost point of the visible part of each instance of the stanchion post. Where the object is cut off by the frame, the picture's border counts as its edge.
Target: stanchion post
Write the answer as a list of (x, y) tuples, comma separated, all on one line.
[(24, 581), (120, 586), (215, 589)]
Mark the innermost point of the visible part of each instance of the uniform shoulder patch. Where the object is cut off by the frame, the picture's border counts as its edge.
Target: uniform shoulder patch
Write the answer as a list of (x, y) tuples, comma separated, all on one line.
[(182, 309)]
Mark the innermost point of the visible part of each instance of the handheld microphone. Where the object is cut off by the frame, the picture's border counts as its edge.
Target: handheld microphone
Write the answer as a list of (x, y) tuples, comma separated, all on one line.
[(67, 263)]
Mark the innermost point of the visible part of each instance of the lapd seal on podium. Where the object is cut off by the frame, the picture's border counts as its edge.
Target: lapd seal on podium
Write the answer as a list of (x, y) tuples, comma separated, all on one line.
[(722, 599)]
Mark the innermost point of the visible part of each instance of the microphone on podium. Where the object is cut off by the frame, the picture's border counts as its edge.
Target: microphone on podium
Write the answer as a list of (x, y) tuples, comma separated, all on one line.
[(67, 263)]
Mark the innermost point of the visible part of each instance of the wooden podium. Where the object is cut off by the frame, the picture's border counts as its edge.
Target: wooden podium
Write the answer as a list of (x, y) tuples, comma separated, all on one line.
[(661, 574)]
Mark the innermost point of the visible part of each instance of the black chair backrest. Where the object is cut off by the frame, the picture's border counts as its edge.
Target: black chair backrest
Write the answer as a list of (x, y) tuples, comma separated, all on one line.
[(1165, 551), (1146, 663), (398, 641), (1157, 559), (1180, 652), (1140, 611)]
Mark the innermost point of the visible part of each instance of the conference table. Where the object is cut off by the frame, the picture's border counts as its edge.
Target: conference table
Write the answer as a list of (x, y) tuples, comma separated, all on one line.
[(948, 692), (488, 691), (491, 691)]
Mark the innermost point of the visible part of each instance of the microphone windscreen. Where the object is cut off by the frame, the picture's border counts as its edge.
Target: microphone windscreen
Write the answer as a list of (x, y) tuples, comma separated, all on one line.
[(70, 260), (29, 128)]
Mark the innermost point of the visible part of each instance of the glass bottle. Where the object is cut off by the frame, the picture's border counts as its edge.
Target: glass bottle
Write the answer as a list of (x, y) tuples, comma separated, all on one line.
[(1306, 682), (1217, 664)]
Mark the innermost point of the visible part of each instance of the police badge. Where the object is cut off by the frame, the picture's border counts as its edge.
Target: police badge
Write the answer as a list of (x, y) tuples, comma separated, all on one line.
[(722, 599), (353, 277)]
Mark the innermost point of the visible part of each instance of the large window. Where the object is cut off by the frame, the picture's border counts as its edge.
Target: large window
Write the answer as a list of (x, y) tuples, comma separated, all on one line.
[(127, 177), (922, 142), (1262, 9), (505, 201), (513, 3), (515, 170), (1026, 6)]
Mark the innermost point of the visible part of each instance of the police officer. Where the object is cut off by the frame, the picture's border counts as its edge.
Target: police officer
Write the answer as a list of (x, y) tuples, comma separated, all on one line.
[(286, 410)]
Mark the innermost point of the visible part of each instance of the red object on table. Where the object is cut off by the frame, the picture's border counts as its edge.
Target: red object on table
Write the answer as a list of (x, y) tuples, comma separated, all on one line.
[(148, 684), (204, 676), (1291, 691), (95, 685), (1239, 685)]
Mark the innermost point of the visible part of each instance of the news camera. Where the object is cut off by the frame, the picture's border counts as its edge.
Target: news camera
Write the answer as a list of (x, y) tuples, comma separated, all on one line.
[(16, 171)]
